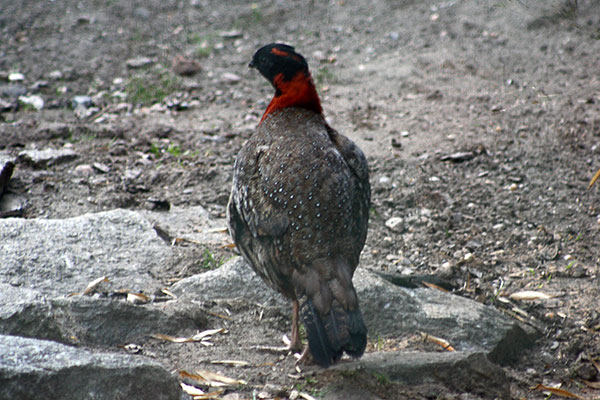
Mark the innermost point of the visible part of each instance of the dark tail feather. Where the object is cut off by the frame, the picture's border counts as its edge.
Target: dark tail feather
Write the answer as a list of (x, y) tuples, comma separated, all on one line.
[(329, 336)]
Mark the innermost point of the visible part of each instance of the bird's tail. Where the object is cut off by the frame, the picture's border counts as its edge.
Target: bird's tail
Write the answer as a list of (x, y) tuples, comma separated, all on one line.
[(330, 335)]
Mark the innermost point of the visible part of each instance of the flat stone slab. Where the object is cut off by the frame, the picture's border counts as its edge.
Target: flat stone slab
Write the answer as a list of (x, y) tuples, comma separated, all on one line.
[(460, 371), (388, 310), (33, 368), (46, 157), (60, 257), (90, 321)]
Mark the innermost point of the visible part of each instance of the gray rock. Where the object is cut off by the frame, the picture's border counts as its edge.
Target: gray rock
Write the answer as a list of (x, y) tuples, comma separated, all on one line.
[(30, 367), (460, 371), (55, 75), (82, 101), (89, 321), (232, 280), (192, 223), (34, 101), (46, 157), (16, 77), (135, 63), (53, 130), (230, 77), (388, 310), (13, 91), (58, 257)]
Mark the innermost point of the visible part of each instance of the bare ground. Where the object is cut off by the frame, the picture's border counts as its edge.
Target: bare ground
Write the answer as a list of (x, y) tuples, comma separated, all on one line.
[(514, 86)]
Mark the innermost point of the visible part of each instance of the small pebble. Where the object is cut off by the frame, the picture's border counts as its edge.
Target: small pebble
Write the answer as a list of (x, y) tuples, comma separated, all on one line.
[(231, 34), (395, 224), (35, 101), (81, 101), (83, 170), (135, 63), (185, 67), (16, 77), (101, 167), (56, 75), (230, 77)]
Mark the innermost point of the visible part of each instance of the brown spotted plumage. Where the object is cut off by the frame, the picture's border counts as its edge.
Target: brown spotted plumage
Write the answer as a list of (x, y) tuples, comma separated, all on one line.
[(299, 208)]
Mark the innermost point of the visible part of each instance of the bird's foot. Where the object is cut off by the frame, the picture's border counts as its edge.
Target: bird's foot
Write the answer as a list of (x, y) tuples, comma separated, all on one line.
[(290, 346), (294, 345), (304, 358)]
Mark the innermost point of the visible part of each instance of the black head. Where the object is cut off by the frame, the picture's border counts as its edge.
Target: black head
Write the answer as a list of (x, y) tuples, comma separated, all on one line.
[(278, 58)]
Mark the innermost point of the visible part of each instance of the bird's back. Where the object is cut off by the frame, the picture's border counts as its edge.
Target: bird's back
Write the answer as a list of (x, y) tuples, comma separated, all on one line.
[(296, 188)]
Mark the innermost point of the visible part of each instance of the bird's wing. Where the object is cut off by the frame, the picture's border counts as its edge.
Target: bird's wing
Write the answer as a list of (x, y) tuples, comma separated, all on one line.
[(259, 219), (355, 159)]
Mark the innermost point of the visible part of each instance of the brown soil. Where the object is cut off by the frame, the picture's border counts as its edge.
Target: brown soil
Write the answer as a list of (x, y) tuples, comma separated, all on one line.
[(513, 85)]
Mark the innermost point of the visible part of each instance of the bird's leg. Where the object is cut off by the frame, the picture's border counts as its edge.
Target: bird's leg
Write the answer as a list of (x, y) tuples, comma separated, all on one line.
[(295, 342)]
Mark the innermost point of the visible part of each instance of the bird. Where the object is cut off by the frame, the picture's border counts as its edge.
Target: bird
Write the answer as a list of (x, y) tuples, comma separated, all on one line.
[(299, 208)]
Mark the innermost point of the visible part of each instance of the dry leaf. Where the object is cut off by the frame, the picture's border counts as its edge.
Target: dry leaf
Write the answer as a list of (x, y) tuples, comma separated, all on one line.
[(93, 285), (442, 342), (236, 363), (168, 293), (594, 179), (530, 295), (306, 396), (213, 377), (520, 311), (217, 315), (184, 240), (168, 338), (191, 390), (209, 378), (198, 394), (434, 286), (210, 395), (558, 392), (137, 298), (593, 385), (217, 230), (198, 337)]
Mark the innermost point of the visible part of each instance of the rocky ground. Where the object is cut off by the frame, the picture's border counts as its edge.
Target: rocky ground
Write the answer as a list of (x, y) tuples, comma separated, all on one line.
[(480, 121)]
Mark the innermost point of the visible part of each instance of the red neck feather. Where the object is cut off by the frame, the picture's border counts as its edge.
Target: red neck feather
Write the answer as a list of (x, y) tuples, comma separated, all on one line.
[(300, 92)]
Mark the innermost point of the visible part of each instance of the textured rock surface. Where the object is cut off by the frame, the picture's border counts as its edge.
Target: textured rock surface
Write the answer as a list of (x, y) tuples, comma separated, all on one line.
[(89, 321), (46, 157), (461, 371), (59, 257), (30, 368), (388, 310), (44, 262)]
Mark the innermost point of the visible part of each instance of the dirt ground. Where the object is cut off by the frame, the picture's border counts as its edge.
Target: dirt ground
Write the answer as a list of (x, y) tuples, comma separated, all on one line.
[(480, 121)]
